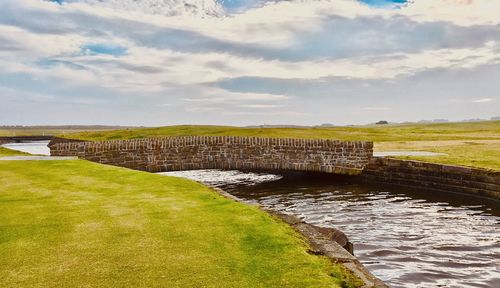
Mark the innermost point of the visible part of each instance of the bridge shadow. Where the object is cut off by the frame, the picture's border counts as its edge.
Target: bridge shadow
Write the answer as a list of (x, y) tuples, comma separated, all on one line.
[(358, 188), (22, 139)]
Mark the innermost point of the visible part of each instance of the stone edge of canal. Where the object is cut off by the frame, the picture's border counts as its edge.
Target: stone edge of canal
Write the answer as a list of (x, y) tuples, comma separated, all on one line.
[(320, 244)]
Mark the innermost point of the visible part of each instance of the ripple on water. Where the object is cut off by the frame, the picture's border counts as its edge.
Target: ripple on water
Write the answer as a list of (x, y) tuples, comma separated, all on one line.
[(407, 238)]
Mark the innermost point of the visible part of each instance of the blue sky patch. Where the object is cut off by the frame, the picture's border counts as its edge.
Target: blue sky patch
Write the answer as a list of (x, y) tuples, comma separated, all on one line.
[(383, 3), (234, 5), (49, 63), (241, 5), (106, 49)]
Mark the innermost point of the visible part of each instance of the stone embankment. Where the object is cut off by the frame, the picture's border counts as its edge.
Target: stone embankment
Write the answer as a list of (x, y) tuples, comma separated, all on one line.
[(222, 152), (448, 178), (321, 244)]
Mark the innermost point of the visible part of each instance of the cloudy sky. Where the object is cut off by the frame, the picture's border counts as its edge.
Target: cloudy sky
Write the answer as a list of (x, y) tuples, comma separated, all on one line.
[(242, 62)]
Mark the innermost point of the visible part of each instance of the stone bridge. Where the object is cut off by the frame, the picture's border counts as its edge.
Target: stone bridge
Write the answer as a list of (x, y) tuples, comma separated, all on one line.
[(222, 152)]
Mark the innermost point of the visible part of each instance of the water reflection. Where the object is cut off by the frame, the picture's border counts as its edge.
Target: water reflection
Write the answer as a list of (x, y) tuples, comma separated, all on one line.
[(408, 238), (226, 179)]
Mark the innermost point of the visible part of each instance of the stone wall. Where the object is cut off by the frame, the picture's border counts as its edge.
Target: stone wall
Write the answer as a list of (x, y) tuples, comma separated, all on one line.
[(223, 152), (434, 176)]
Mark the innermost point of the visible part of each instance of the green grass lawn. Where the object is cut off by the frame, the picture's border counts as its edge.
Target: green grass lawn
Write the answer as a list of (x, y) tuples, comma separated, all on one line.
[(81, 224), (469, 143)]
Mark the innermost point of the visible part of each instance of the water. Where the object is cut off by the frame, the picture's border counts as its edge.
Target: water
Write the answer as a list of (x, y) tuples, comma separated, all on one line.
[(34, 147), (406, 237)]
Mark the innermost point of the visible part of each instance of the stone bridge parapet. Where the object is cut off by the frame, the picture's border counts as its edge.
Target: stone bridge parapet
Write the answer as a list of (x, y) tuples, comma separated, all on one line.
[(223, 152)]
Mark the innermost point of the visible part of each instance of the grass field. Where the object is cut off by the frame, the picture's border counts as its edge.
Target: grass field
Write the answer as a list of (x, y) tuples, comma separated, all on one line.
[(35, 131), (81, 224), (474, 153), (51, 130), (378, 133), (467, 143)]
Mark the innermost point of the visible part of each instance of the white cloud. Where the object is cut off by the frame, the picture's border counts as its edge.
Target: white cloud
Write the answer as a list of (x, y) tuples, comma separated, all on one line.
[(25, 44), (260, 106), (273, 114), (461, 12), (195, 69), (483, 100), (464, 101), (278, 23), (177, 49), (375, 108), (219, 95), (161, 7)]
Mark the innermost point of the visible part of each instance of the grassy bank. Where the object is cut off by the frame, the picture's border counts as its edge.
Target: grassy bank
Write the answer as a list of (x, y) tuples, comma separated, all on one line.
[(9, 152), (80, 224), (470, 143)]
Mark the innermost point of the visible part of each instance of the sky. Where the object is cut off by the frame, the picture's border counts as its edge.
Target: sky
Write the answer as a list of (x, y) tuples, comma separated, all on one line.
[(247, 62)]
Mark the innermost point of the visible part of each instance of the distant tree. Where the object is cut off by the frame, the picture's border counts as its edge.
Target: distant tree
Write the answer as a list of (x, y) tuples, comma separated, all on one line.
[(382, 122)]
